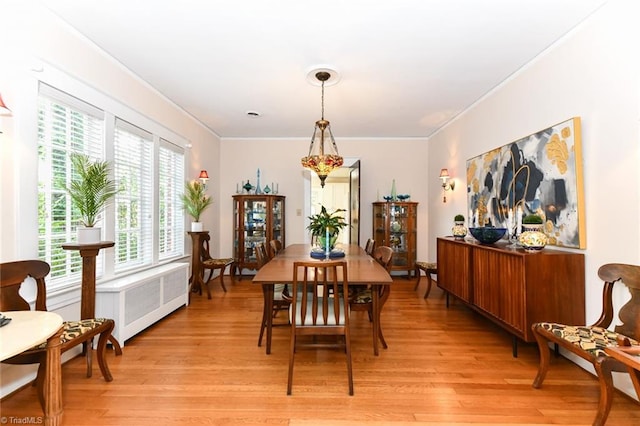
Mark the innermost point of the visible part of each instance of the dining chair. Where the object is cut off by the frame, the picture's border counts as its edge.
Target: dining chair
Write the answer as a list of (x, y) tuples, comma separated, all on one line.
[(281, 299), (370, 246), (590, 341), (320, 307), (210, 264), (362, 299), (74, 333), (276, 247)]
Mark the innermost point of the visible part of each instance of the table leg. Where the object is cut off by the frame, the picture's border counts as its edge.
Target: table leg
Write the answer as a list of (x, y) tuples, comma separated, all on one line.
[(52, 382), (268, 300), (376, 319)]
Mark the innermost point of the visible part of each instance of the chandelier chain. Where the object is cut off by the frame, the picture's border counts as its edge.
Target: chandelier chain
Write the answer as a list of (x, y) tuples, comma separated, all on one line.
[(322, 98)]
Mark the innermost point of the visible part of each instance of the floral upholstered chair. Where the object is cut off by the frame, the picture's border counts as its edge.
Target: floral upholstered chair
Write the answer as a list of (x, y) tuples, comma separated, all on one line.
[(589, 342), (74, 333)]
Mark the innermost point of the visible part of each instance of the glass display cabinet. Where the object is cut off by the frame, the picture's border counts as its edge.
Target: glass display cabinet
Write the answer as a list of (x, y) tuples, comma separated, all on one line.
[(257, 218), (394, 225)]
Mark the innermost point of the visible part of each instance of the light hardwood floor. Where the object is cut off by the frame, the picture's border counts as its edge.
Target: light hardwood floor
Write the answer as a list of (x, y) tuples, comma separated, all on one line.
[(202, 366)]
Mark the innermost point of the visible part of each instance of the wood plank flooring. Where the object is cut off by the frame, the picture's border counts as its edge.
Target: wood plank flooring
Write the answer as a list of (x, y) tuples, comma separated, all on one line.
[(202, 366)]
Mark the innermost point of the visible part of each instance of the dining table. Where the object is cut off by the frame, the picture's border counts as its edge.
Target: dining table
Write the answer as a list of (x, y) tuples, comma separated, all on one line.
[(362, 269), (26, 329)]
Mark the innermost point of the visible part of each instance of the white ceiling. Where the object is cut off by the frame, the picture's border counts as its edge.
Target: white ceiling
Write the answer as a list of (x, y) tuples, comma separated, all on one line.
[(406, 66)]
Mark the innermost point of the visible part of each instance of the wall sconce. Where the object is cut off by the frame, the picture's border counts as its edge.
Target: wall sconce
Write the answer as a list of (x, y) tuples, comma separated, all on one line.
[(3, 108), (204, 177), (447, 185)]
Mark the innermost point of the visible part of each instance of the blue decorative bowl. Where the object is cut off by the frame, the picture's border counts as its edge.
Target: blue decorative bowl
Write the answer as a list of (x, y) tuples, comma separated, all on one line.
[(487, 234), (403, 197), (387, 197)]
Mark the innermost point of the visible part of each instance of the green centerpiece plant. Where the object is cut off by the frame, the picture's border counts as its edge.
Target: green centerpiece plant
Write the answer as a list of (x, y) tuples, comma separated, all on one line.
[(90, 194), (532, 219), (195, 202), (325, 223)]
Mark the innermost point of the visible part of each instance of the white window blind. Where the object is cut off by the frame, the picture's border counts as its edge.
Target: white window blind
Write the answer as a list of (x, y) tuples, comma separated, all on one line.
[(66, 125), (133, 158), (170, 186)]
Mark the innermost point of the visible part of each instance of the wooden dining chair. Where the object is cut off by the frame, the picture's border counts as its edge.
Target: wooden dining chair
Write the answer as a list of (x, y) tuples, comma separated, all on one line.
[(320, 307), (281, 299), (589, 342), (362, 298), (370, 246), (210, 264), (276, 247), (74, 333)]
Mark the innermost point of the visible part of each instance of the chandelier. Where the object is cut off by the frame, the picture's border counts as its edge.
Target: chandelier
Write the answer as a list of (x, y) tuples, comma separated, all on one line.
[(318, 160)]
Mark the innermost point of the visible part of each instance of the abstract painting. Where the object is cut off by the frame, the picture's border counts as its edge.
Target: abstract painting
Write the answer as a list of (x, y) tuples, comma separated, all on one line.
[(541, 174)]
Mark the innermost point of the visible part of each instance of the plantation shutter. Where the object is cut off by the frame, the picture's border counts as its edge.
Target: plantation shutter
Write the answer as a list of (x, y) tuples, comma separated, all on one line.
[(66, 125), (171, 215), (133, 158)]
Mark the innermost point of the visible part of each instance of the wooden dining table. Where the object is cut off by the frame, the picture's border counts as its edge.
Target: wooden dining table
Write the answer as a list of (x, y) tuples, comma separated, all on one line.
[(362, 269), (26, 330)]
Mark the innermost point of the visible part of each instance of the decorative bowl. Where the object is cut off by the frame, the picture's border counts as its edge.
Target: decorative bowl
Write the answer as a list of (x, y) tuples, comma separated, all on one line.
[(487, 234), (387, 197), (403, 197)]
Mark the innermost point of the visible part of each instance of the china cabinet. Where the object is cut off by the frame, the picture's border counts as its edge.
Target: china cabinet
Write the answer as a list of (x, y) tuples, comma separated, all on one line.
[(257, 218), (394, 225)]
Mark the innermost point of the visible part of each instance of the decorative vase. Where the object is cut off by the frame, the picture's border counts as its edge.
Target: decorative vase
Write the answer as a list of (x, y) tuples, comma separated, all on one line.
[(394, 196), (322, 241), (197, 227), (459, 230), (532, 239), (86, 235)]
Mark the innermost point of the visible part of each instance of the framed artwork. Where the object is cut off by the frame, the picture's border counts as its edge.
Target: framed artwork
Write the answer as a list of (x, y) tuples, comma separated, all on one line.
[(541, 174)]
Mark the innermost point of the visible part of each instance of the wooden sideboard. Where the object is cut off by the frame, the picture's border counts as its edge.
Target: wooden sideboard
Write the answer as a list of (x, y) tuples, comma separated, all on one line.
[(511, 287)]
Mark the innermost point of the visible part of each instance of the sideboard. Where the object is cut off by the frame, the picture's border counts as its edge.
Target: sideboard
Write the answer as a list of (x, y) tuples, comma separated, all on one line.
[(511, 287)]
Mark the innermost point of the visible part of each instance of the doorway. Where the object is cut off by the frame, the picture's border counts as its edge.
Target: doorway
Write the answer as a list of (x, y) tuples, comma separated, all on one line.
[(341, 191)]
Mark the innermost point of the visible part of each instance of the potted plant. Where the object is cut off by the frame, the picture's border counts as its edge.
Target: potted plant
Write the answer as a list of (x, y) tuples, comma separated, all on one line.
[(90, 194), (532, 222), (195, 201), (459, 230), (326, 224)]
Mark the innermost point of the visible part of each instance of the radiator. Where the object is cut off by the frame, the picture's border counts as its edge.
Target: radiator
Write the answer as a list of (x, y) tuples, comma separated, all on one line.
[(139, 300)]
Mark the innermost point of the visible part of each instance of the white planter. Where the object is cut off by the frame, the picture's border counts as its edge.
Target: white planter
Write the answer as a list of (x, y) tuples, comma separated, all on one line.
[(197, 227), (89, 235)]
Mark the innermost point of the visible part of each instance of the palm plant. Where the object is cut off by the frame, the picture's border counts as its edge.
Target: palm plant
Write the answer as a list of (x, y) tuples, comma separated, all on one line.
[(194, 199), (93, 191)]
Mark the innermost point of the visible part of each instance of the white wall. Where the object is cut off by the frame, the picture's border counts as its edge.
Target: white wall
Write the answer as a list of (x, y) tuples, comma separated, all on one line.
[(381, 161), (592, 73)]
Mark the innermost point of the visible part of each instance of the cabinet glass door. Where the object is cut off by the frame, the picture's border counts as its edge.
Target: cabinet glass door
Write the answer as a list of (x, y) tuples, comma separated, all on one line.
[(277, 225), (255, 215), (398, 233)]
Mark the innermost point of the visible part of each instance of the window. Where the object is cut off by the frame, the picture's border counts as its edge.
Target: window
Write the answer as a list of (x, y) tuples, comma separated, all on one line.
[(146, 220), (66, 125), (133, 158), (170, 186)]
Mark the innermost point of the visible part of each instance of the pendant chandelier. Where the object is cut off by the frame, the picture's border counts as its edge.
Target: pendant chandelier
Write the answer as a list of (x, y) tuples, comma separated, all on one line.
[(318, 160)]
